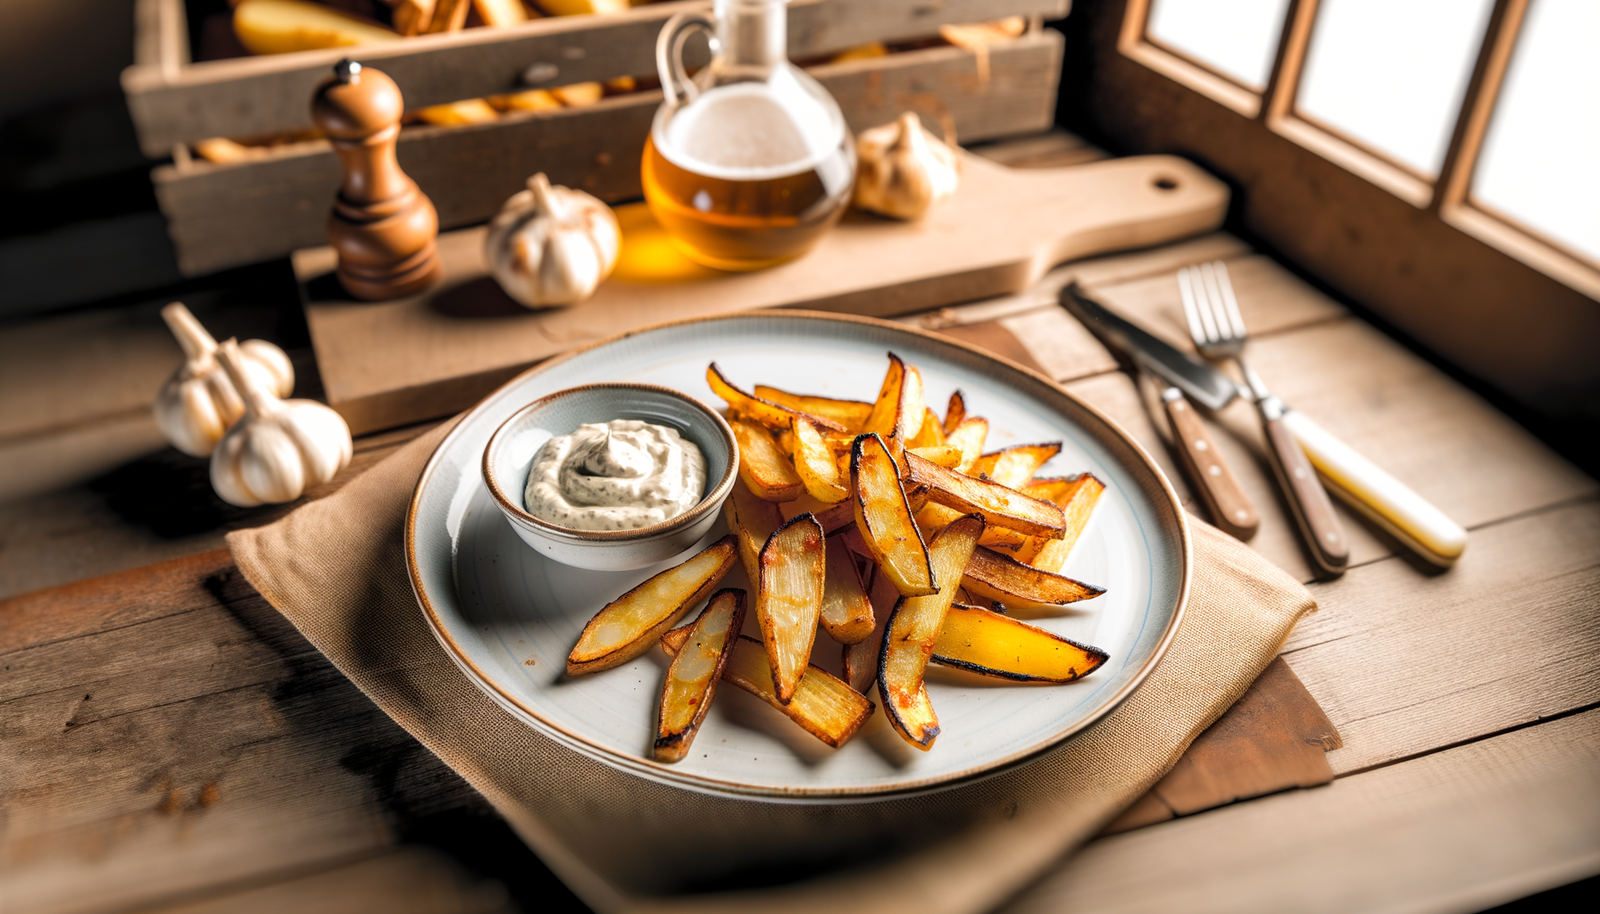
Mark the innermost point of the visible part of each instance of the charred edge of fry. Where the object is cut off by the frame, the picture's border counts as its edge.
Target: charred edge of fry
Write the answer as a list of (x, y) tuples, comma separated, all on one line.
[(1000, 505), (836, 517), (1096, 656), (765, 411), (649, 636), (928, 731), (991, 575), (847, 412), (886, 403), (672, 747), (860, 501), (673, 642), (765, 591), (955, 412)]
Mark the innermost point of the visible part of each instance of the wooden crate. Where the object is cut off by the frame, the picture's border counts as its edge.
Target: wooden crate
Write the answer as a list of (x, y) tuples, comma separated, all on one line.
[(225, 215)]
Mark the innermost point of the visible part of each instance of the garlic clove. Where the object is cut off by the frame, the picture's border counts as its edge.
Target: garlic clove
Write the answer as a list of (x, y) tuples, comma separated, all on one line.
[(198, 403), (552, 245), (903, 170), (278, 448)]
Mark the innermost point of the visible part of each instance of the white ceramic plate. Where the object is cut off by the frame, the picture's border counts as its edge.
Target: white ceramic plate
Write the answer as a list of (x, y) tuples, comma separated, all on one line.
[(509, 617)]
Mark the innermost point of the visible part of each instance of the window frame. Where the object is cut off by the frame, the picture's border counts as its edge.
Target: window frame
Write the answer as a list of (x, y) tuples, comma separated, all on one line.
[(1394, 240)]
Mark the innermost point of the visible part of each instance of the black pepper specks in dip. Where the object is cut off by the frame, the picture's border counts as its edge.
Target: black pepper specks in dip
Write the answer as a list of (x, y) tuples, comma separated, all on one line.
[(619, 475)]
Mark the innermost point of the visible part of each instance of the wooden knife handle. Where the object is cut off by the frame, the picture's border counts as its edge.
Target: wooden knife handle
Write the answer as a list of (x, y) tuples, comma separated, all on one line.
[(1229, 507), (1319, 527)]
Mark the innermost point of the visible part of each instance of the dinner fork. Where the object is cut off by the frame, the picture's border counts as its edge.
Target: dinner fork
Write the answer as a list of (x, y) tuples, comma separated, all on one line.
[(1219, 333)]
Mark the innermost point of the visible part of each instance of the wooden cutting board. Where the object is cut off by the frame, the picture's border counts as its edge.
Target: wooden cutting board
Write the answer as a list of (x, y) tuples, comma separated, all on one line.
[(391, 363)]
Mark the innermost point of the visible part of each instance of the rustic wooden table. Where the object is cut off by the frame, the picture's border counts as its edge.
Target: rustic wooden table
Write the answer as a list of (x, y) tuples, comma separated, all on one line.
[(168, 742)]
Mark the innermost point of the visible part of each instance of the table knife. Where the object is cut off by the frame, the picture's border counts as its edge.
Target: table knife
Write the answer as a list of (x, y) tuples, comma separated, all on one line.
[(1350, 477), (1225, 500)]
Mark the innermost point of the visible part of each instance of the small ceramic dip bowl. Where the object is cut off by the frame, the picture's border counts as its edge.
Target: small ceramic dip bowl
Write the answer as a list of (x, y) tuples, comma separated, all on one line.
[(512, 448)]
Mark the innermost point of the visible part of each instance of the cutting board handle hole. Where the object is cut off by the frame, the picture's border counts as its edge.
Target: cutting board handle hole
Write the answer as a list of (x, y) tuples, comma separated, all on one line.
[(1165, 183)]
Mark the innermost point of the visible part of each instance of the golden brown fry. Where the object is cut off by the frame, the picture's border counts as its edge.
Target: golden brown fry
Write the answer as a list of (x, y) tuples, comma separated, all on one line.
[(944, 455), (778, 418), (627, 626), (762, 466), (993, 576), (411, 17), (860, 660), (846, 611), (816, 465), (691, 680), (883, 516), (1051, 488), (990, 644), (955, 412), (851, 414), (931, 434), (913, 631), (1077, 505), (823, 705), (1000, 506), (1012, 467), (898, 411), (789, 600), (969, 436), (752, 520)]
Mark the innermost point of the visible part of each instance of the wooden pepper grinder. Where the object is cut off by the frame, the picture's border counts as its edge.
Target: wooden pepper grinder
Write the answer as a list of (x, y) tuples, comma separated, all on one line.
[(383, 227)]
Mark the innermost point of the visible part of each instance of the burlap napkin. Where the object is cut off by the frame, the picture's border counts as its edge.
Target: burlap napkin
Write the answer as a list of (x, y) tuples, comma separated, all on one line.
[(336, 569)]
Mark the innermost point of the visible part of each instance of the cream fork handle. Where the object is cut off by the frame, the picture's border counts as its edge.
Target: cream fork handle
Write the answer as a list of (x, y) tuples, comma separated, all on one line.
[(1387, 501)]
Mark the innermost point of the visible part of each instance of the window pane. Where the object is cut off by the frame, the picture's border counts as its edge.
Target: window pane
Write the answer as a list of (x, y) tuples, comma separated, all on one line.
[(1538, 160), (1391, 74), (1237, 38)]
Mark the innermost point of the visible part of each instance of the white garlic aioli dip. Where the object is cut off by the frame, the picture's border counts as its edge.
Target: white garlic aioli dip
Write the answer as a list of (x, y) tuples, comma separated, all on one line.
[(619, 475)]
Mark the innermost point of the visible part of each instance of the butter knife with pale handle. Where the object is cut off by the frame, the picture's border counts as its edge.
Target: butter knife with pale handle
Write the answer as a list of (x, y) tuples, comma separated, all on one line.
[(1350, 477)]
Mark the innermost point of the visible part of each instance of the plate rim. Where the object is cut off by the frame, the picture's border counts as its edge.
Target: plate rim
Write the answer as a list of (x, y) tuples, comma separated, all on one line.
[(644, 768)]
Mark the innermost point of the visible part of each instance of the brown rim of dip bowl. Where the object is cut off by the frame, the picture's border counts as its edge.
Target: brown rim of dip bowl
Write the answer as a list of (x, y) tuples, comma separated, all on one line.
[(713, 498)]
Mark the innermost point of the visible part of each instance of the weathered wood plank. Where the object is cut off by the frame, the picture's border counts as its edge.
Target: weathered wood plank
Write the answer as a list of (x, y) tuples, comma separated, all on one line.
[(1459, 830), (408, 880), (223, 215), (158, 508), (1404, 662), (184, 750), (255, 95)]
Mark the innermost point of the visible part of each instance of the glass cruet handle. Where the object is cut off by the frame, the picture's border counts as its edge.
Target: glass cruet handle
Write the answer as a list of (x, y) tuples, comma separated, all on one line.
[(675, 81)]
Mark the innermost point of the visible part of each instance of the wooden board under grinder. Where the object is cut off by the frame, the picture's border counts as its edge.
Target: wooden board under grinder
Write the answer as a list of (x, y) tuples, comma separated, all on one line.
[(390, 363)]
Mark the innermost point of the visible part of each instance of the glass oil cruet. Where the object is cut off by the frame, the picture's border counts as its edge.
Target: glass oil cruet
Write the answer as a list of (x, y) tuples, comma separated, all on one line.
[(749, 162)]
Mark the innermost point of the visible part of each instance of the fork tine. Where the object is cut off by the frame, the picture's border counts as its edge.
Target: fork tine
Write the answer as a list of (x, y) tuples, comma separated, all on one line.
[(1208, 321), (1213, 299), (1230, 301), (1191, 311)]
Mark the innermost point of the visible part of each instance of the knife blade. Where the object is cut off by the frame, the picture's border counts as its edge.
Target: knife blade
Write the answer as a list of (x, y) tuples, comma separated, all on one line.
[(1200, 382), (1412, 520), (1225, 500)]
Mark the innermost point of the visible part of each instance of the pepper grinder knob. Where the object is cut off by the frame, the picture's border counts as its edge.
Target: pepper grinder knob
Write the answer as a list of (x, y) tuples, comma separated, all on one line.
[(383, 228)]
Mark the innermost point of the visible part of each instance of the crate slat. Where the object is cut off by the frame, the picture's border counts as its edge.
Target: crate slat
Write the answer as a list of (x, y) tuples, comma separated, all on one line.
[(225, 215), (257, 95)]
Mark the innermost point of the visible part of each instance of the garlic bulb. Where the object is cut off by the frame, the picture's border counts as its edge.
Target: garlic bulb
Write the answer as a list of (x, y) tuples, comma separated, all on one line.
[(552, 245), (903, 169), (198, 403), (278, 448)]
